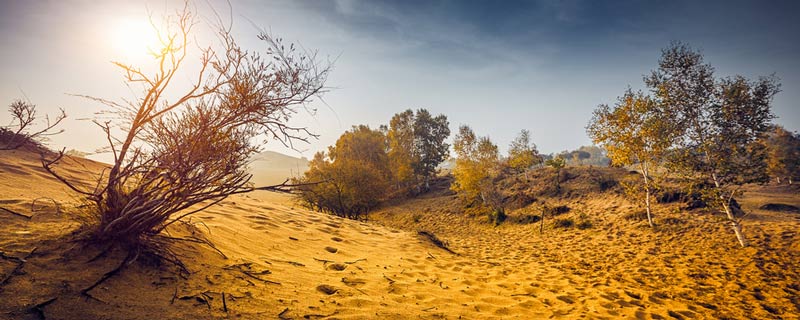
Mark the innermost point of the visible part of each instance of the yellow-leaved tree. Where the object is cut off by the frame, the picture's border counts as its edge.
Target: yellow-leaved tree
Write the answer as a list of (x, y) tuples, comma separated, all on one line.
[(476, 163), (633, 132)]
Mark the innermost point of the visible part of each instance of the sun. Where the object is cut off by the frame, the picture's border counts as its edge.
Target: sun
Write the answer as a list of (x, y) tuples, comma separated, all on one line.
[(133, 40)]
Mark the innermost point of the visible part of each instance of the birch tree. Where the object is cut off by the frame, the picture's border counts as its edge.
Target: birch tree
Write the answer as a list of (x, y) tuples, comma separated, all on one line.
[(633, 132), (717, 124)]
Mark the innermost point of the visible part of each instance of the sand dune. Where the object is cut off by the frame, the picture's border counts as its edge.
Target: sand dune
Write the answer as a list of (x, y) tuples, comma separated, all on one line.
[(281, 261)]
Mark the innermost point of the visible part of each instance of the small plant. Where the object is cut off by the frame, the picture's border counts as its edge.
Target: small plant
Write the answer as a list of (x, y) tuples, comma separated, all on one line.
[(497, 216)]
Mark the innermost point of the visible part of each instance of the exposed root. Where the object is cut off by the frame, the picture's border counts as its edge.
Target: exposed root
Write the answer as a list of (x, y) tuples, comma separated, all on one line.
[(39, 308), (18, 268), (132, 255), (284, 314)]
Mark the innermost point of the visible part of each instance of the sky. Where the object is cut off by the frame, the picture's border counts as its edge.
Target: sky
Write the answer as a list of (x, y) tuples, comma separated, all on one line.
[(497, 66)]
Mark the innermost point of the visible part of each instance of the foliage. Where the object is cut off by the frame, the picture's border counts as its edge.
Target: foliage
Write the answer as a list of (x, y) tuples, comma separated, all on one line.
[(353, 177), (416, 146), (557, 164), (401, 148), (476, 164), (184, 148), (717, 124), (522, 153), (19, 133), (584, 155), (783, 154), (634, 132)]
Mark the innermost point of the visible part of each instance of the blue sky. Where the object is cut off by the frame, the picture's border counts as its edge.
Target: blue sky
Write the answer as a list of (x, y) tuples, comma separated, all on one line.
[(498, 66)]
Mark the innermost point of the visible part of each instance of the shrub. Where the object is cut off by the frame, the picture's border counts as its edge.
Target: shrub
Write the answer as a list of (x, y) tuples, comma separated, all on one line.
[(563, 223)]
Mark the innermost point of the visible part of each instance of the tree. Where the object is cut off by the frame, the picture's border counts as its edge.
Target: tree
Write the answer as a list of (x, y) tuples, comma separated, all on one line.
[(476, 165), (717, 123), (416, 145), (783, 154), (634, 132), (184, 148), (557, 163), (522, 153), (354, 176), (401, 148), (19, 132)]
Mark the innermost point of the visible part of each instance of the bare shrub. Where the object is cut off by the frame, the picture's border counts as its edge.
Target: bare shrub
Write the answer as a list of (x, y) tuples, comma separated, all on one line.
[(178, 156), (21, 133)]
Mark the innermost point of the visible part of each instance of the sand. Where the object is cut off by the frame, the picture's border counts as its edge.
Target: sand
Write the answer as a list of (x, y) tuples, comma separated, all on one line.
[(283, 262)]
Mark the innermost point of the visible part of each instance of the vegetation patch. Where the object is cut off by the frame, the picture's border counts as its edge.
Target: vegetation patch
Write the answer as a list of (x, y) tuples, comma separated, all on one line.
[(563, 223), (780, 207)]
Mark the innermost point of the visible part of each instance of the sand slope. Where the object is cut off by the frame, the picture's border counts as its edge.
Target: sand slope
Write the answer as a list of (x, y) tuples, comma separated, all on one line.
[(285, 262)]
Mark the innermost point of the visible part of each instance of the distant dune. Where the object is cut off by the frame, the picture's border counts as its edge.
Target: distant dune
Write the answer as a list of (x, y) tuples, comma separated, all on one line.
[(271, 167)]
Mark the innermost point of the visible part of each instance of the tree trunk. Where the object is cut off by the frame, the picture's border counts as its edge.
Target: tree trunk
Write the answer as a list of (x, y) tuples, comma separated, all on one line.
[(645, 173), (726, 204)]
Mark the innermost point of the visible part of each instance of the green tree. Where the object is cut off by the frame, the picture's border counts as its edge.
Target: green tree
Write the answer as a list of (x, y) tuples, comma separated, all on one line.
[(522, 153), (718, 124), (430, 148), (633, 132), (557, 163), (416, 146)]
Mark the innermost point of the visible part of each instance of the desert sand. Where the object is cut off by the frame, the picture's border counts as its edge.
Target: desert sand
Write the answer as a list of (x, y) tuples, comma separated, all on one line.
[(279, 261)]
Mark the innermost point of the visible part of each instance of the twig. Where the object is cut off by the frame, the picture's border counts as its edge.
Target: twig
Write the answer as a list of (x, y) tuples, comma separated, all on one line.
[(283, 313), (16, 213), (354, 261), (314, 315), (433, 239), (324, 262), (391, 281), (39, 308), (429, 309), (224, 303), (430, 255), (174, 295), (260, 279)]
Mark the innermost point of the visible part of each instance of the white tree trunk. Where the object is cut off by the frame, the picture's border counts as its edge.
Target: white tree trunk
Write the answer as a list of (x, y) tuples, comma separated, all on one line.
[(645, 174), (726, 204)]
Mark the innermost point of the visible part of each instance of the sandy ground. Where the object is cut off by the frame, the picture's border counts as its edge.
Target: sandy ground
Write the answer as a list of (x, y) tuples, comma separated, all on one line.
[(281, 261)]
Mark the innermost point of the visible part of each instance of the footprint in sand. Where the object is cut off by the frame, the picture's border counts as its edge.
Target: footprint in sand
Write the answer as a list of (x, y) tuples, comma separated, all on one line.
[(326, 289), (337, 239), (336, 267), (331, 249)]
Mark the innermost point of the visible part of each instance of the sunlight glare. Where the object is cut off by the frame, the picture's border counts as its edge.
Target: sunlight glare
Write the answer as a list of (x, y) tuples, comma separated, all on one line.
[(133, 40)]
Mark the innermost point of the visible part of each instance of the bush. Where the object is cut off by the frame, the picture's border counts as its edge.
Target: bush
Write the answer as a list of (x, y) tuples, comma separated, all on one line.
[(564, 223), (193, 150), (497, 216)]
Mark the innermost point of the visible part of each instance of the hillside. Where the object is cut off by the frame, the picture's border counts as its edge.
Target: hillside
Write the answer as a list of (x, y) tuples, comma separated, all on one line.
[(270, 167), (280, 261)]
